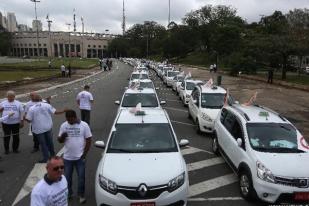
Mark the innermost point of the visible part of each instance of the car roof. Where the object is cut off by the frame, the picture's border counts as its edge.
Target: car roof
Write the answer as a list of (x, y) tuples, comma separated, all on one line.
[(140, 72), (143, 90), (151, 116), (141, 80), (213, 89), (192, 80), (256, 113)]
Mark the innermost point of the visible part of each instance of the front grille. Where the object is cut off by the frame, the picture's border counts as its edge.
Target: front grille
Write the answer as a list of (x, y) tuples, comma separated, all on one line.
[(133, 194), (179, 203), (292, 182)]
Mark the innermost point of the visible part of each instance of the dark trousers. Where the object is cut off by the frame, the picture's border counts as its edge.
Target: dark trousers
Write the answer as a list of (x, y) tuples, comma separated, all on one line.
[(85, 115), (270, 79), (36, 142), (63, 73), (47, 145), (79, 165), (8, 130)]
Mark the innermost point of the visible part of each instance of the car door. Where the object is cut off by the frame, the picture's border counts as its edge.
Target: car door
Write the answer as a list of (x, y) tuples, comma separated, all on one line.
[(232, 130), (192, 103)]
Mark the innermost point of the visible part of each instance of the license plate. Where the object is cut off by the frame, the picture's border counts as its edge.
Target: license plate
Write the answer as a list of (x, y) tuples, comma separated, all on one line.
[(301, 196), (143, 204)]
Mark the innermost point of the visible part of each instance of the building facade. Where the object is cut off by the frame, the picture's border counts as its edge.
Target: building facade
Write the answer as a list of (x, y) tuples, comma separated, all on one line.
[(64, 44), (11, 22), (37, 24)]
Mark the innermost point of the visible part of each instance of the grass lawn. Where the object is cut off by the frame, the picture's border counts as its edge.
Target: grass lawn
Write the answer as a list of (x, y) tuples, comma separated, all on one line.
[(20, 75), (56, 63), (290, 77)]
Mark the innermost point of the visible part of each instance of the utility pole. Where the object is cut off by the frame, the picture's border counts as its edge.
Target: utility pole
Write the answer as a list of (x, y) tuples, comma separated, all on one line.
[(169, 13), (69, 42), (37, 28), (82, 49), (50, 43), (74, 22), (123, 19)]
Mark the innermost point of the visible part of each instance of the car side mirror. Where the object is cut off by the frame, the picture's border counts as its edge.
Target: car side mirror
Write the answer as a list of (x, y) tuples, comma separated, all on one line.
[(100, 144), (239, 142), (117, 102), (183, 143), (162, 102)]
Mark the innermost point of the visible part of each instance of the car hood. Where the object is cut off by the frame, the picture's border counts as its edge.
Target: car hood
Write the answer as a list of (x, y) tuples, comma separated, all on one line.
[(212, 113), (285, 164), (149, 168)]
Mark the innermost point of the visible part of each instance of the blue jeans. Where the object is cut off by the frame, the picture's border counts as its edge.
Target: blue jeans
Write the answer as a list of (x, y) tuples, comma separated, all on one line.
[(80, 169), (46, 143)]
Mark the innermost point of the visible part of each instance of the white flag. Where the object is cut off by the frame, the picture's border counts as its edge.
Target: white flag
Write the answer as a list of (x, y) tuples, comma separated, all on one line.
[(209, 83), (251, 100), (137, 108), (188, 75), (302, 143)]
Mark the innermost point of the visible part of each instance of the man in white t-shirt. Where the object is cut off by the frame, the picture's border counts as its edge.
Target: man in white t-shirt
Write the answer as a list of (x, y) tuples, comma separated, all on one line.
[(76, 136), (4, 118), (11, 126), (85, 100), (40, 116), (52, 190), (62, 68)]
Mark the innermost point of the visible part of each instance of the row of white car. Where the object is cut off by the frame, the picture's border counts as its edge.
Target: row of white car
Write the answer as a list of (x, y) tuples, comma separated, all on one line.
[(265, 150), (141, 164)]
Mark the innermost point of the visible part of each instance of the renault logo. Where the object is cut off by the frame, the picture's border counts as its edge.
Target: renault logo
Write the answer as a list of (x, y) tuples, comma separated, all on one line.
[(142, 190)]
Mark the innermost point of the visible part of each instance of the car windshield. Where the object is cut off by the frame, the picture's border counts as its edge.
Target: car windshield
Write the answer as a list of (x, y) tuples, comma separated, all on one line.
[(147, 100), (139, 76), (180, 79), (212, 100), (142, 138), (142, 84), (272, 137), (191, 85), (172, 74)]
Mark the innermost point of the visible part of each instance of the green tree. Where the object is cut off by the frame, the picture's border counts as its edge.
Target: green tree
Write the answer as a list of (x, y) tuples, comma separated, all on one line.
[(5, 43)]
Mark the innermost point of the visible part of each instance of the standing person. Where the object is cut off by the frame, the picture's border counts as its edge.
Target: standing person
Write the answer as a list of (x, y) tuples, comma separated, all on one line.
[(11, 126), (211, 68), (76, 136), (62, 67), (40, 116), (215, 68), (27, 107), (49, 64), (270, 76), (85, 100), (52, 190), (4, 118)]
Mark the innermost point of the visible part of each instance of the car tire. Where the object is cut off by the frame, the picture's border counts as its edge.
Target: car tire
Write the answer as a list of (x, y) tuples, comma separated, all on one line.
[(215, 146), (246, 186)]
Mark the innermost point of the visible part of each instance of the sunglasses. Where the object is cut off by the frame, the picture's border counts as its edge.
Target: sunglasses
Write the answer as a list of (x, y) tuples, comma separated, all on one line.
[(58, 167)]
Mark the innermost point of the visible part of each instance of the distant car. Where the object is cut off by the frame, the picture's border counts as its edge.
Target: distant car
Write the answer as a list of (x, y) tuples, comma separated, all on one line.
[(307, 70), (142, 164), (177, 82), (146, 96), (267, 152), (168, 78), (142, 83), (139, 75), (204, 105), (186, 88)]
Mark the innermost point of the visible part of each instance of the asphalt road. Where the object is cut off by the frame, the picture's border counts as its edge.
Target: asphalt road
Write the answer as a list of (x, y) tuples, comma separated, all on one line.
[(212, 182)]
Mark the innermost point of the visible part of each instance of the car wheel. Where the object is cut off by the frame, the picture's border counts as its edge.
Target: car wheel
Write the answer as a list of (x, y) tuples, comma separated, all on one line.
[(198, 129), (215, 145), (246, 186)]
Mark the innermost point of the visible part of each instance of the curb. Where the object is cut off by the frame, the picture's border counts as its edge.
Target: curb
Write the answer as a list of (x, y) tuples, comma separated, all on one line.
[(56, 86)]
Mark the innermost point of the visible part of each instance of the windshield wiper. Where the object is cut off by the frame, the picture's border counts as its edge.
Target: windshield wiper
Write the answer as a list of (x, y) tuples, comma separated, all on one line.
[(116, 150), (279, 149)]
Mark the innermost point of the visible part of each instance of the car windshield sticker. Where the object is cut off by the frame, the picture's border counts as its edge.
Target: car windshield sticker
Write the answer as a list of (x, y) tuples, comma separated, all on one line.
[(302, 143), (282, 144), (255, 142)]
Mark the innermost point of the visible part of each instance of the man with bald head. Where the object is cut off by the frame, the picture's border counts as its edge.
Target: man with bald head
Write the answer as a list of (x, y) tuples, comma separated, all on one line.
[(52, 190), (11, 126)]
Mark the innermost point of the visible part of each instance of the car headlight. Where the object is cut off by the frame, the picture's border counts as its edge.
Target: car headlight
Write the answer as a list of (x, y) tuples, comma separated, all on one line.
[(263, 173), (177, 182), (206, 117), (107, 185)]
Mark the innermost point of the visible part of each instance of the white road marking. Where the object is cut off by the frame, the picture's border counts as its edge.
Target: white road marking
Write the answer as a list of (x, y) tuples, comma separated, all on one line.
[(183, 123), (36, 174), (171, 108), (190, 150), (215, 199), (212, 184), (205, 163)]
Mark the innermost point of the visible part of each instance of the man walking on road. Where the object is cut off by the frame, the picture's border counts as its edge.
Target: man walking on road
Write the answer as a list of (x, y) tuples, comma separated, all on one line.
[(40, 116), (52, 190), (11, 126), (62, 67), (85, 100), (76, 136)]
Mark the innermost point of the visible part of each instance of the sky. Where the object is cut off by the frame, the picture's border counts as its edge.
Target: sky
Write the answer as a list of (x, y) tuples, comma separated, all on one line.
[(102, 15)]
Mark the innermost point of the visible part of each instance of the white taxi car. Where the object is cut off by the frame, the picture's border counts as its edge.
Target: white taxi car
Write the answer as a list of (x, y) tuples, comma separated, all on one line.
[(185, 89), (146, 96), (204, 105), (142, 164), (267, 152), (141, 83), (169, 77), (177, 82), (139, 75)]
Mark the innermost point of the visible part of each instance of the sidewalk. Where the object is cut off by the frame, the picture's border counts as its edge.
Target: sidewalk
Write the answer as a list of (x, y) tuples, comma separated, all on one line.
[(293, 103)]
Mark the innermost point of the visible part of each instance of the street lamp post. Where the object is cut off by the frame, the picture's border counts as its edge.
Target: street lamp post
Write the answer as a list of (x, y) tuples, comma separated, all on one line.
[(68, 24), (37, 28)]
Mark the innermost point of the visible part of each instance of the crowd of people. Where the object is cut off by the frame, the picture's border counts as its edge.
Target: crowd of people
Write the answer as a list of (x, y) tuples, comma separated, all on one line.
[(74, 133)]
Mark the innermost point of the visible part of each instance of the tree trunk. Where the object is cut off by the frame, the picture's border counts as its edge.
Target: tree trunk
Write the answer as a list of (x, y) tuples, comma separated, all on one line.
[(285, 59)]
